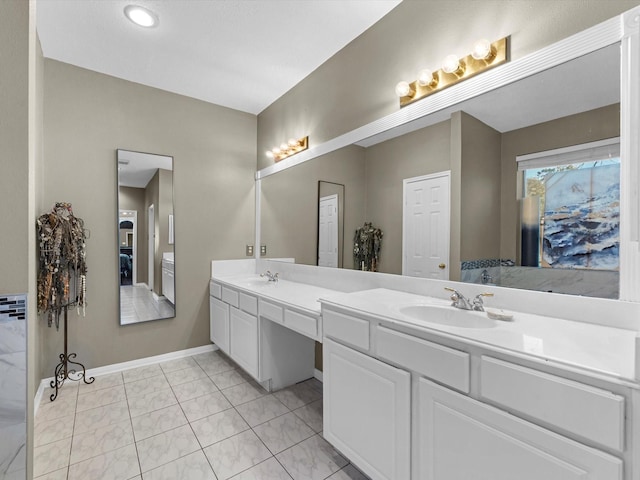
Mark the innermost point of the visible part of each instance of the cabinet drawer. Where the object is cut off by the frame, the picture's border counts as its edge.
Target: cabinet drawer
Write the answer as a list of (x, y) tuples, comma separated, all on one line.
[(592, 413), (248, 303), (271, 311), (346, 328), (230, 296), (303, 323), (215, 290), (442, 364)]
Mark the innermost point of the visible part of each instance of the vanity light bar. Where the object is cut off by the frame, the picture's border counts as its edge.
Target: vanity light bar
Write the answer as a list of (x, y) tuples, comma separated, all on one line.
[(486, 55), (287, 149)]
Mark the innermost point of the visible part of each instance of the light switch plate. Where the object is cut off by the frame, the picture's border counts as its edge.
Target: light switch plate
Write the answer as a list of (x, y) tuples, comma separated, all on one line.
[(249, 250), (263, 249)]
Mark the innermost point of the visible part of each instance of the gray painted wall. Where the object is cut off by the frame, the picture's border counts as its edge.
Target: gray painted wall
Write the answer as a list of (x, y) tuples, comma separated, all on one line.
[(356, 86), (87, 116)]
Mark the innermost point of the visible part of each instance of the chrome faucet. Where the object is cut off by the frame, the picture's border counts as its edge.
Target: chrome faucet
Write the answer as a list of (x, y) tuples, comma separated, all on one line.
[(273, 277), (460, 301)]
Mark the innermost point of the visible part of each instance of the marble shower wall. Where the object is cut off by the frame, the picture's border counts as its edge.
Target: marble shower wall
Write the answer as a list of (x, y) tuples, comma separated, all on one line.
[(590, 283), (13, 387)]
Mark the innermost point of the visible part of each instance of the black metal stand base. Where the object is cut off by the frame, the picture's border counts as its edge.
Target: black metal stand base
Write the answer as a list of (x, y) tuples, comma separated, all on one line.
[(63, 372)]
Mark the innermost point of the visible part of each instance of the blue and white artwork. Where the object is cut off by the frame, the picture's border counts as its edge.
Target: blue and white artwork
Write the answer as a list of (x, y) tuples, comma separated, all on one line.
[(582, 218)]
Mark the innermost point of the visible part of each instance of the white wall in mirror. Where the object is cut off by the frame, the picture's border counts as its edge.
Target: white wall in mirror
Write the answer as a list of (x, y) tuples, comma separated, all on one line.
[(146, 237), (600, 66)]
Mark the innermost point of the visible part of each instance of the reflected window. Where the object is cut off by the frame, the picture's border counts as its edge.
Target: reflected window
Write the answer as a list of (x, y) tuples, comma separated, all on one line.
[(575, 194)]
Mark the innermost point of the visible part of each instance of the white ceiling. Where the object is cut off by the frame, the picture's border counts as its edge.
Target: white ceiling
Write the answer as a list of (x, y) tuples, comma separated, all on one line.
[(135, 169), (241, 54)]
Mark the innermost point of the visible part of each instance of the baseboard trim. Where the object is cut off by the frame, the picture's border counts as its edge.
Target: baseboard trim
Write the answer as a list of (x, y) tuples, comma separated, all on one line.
[(120, 367), (317, 374)]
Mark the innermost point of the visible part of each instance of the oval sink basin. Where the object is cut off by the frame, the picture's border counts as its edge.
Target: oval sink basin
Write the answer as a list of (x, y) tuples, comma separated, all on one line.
[(256, 282), (448, 316)]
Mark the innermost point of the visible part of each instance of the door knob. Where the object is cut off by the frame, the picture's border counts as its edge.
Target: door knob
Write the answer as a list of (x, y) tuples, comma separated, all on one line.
[(442, 266)]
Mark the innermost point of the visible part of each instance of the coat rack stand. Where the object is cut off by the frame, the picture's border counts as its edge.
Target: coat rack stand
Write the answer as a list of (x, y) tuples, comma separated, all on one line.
[(62, 371)]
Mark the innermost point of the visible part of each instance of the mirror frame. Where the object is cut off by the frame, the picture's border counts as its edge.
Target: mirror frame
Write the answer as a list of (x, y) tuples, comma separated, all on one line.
[(624, 28), (170, 238)]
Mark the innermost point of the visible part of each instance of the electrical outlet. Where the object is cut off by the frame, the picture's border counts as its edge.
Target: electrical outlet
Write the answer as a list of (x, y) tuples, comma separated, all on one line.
[(249, 250), (263, 250)]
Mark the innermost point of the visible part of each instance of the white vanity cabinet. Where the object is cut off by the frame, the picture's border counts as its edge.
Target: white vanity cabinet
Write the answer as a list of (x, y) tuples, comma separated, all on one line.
[(367, 411), (471, 416), (243, 340), (219, 323), (264, 338)]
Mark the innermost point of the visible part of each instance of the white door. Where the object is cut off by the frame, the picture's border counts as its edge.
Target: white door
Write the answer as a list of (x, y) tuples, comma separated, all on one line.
[(152, 245), (367, 408), (328, 232), (243, 340), (219, 323), (132, 216), (460, 438), (425, 226)]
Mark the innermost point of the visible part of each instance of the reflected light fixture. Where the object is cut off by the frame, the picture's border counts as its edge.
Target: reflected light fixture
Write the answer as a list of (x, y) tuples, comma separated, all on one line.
[(485, 55), (285, 150), (141, 16)]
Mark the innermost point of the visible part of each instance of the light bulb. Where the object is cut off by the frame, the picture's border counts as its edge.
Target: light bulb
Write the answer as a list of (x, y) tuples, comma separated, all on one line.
[(284, 147), (292, 143), (276, 151), (141, 16), (403, 89), (426, 78), (481, 49), (269, 154), (450, 64)]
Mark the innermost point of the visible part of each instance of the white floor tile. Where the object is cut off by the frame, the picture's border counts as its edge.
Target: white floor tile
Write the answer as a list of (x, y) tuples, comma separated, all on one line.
[(178, 364), (236, 454), (228, 379), (283, 432), (51, 457), (185, 375), (53, 430), (101, 440), (243, 393), (100, 382), (158, 421), (166, 447), (57, 475), (95, 418), (219, 426), (116, 464), (261, 410), (312, 459), (141, 404), (269, 469), (298, 395), (192, 467), (141, 373), (194, 389), (146, 386), (311, 414), (204, 406), (100, 398), (349, 473)]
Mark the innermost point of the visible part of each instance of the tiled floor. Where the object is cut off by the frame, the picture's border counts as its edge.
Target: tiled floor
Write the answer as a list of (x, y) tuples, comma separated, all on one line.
[(137, 305), (193, 418)]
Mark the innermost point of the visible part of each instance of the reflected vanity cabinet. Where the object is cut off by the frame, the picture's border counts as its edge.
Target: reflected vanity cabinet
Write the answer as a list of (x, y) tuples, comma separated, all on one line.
[(403, 405)]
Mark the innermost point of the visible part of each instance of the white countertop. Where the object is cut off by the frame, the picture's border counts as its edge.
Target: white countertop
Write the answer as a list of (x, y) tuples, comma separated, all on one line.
[(595, 348), (294, 294)]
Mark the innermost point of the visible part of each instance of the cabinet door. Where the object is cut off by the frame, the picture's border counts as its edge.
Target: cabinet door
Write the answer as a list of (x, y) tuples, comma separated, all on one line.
[(219, 323), (244, 340), (367, 411), (460, 439)]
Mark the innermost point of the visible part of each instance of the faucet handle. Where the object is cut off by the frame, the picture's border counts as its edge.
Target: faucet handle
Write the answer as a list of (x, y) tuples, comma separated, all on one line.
[(477, 303)]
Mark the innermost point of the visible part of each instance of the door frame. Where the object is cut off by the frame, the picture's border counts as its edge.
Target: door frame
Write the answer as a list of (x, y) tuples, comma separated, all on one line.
[(134, 252), (405, 183), (151, 247)]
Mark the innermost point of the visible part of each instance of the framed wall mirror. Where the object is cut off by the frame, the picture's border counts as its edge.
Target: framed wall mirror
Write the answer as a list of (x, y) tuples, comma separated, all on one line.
[(145, 240), (482, 141)]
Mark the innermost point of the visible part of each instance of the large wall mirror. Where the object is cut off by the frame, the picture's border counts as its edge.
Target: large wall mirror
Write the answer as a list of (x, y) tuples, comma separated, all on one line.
[(145, 240), (553, 137)]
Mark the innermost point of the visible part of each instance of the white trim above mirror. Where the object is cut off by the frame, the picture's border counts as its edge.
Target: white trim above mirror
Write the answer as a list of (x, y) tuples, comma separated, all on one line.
[(623, 28)]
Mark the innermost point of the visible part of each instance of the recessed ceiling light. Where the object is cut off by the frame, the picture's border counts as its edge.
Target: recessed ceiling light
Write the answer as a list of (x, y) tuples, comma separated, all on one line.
[(141, 16)]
